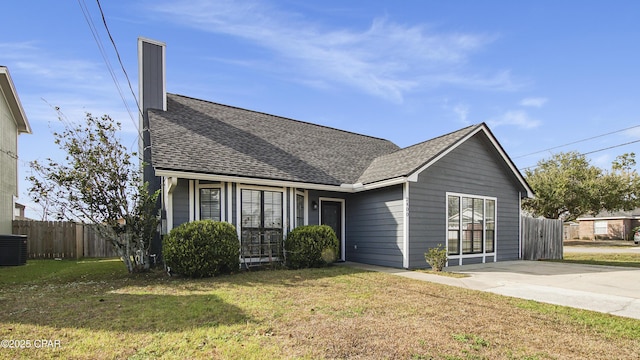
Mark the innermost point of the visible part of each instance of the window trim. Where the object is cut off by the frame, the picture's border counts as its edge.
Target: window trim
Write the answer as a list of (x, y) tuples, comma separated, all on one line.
[(484, 254), (238, 195), (221, 187), (305, 208), (606, 227)]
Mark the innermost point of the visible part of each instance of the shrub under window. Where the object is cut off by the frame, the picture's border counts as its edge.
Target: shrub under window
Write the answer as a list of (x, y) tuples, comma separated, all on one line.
[(311, 246), (202, 248)]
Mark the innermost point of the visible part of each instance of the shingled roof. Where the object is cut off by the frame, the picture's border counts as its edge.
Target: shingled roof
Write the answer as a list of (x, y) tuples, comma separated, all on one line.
[(205, 137)]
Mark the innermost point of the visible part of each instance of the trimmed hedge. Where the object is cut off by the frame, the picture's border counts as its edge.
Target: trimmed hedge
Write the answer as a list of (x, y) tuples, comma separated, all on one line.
[(311, 246), (202, 249)]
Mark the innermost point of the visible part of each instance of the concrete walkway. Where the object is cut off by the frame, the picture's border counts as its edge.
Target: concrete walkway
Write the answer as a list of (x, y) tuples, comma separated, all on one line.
[(606, 289)]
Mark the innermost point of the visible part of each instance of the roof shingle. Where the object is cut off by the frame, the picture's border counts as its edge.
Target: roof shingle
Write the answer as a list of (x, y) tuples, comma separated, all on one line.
[(405, 161), (205, 137)]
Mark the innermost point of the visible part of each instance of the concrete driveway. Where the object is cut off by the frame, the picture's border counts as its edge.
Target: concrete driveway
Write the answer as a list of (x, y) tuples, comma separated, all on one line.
[(607, 289)]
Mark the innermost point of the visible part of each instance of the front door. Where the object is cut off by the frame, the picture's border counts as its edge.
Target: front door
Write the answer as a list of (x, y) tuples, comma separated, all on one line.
[(331, 215)]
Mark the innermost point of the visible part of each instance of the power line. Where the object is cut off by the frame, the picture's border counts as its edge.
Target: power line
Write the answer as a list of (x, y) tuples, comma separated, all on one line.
[(126, 75), (582, 140), (98, 40), (593, 151)]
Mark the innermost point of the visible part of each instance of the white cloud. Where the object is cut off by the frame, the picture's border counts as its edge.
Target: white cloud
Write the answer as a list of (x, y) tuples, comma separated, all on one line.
[(76, 86), (633, 132), (514, 118), (386, 59), (533, 102), (462, 111)]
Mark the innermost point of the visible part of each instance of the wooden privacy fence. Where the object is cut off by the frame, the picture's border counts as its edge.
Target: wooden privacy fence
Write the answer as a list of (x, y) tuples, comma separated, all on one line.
[(62, 239), (541, 239)]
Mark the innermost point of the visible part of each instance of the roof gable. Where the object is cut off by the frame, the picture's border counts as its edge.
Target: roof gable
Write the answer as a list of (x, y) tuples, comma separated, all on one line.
[(496, 145), (411, 161), (13, 101), (405, 161)]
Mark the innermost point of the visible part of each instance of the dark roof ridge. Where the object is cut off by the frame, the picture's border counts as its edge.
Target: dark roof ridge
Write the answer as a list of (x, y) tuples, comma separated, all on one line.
[(441, 136), (282, 117)]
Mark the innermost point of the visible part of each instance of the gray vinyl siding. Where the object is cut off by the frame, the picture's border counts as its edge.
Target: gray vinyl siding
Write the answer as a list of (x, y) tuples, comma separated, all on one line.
[(473, 168), (181, 203), (375, 227)]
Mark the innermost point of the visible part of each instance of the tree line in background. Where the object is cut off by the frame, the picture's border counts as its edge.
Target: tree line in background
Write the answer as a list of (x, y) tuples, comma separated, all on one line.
[(567, 186)]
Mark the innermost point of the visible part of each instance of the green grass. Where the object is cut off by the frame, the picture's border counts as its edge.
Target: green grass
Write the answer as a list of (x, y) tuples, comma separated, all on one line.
[(98, 311), (443, 273), (608, 259)]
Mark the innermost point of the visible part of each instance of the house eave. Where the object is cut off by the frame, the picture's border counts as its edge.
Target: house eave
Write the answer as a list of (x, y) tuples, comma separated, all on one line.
[(251, 180), (345, 188), (379, 184), (608, 218), (13, 101)]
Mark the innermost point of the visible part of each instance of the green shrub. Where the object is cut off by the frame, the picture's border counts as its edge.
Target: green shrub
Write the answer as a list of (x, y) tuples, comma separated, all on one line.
[(202, 249), (436, 257), (311, 246)]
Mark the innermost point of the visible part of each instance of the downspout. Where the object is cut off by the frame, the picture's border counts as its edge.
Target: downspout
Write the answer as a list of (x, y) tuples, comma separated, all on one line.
[(519, 225), (405, 230)]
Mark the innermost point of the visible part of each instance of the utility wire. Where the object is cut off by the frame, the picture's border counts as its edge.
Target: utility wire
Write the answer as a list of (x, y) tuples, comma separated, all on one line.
[(593, 151), (126, 75), (98, 40), (579, 141)]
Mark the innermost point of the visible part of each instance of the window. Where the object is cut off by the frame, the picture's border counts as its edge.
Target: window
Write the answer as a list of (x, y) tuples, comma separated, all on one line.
[(454, 225), (490, 226), (299, 210), (600, 227), (470, 225), (261, 223), (210, 204)]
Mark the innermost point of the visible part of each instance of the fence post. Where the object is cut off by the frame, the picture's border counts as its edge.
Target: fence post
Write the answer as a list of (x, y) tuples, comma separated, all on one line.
[(79, 231)]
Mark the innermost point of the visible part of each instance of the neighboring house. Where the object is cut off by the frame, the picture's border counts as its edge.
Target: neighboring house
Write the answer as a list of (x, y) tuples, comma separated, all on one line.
[(609, 226), (13, 122), (267, 174), (19, 212)]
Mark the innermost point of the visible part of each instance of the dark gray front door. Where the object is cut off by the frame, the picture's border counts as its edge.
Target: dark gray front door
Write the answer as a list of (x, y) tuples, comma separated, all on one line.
[(331, 214)]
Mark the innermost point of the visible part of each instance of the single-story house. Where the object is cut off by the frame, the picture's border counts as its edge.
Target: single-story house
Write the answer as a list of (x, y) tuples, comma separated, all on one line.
[(268, 174), (13, 122), (607, 225)]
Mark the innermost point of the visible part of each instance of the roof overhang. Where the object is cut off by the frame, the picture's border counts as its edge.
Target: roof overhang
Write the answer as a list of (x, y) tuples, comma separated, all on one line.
[(628, 217), (413, 177), (13, 101), (346, 188)]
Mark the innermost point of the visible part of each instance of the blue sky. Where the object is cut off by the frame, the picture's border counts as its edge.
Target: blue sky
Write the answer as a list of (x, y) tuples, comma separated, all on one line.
[(540, 73)]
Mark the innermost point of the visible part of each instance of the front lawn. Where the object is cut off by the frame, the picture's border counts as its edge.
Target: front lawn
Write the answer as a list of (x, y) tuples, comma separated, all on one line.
[(609, 259), (96, 311)]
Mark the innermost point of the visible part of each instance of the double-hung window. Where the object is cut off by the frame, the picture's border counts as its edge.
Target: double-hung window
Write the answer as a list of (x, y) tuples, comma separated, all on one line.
[(600, 227), (210, 204), (471, 222)]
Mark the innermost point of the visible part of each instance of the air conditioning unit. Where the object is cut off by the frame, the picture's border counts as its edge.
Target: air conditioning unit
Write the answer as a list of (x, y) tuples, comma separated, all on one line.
[(13, 250)]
